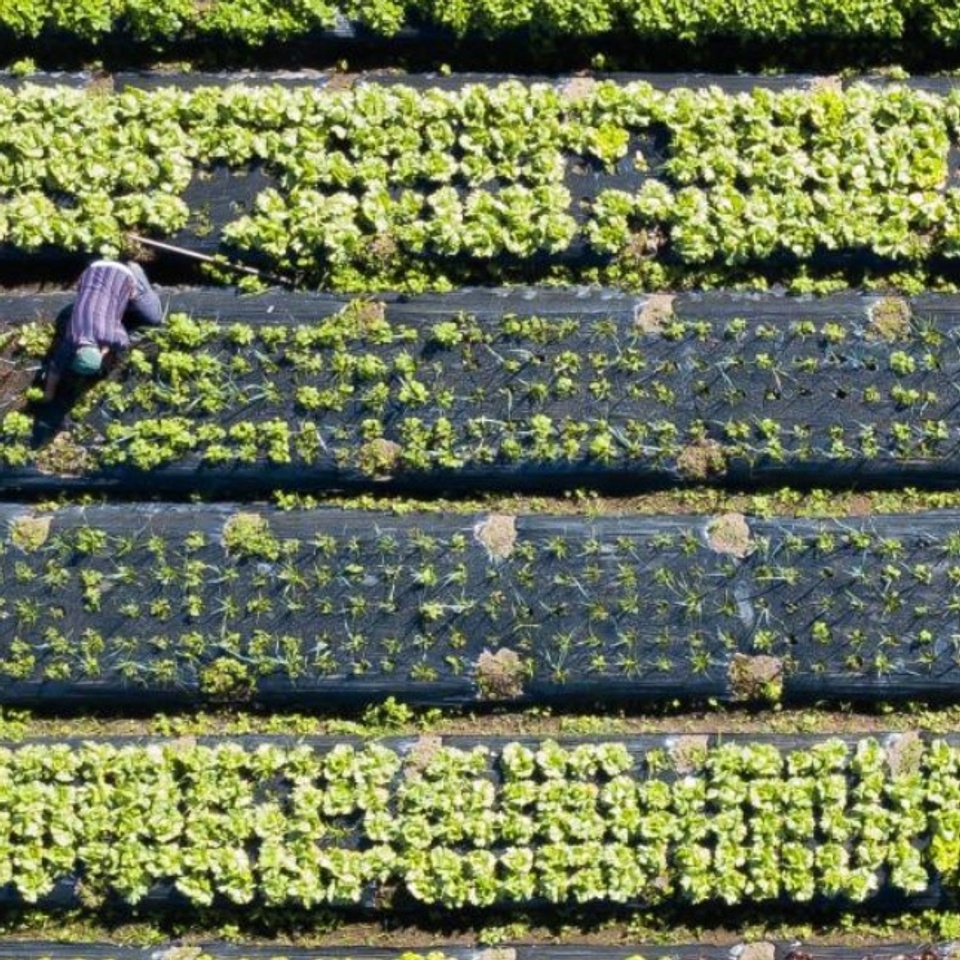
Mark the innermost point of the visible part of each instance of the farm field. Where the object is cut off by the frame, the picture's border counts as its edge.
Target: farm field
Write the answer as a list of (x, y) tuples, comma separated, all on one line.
[(533, 532)]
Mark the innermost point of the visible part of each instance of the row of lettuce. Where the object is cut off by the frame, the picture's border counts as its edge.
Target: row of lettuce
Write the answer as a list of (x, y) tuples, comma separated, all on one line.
[(356, 396), (231, 603), (493, 824), (387, 186), (258, 21)]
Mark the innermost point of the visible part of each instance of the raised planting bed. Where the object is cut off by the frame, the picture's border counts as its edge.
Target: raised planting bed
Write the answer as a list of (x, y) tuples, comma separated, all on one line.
[(476, 824), (484, 391), (388, 186), (156, 605)]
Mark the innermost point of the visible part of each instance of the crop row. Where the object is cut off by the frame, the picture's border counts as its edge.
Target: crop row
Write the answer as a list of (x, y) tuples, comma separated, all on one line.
[(388, 186), (170, 21), (491, 824), (329, 607), (355, 396), (689, 20)]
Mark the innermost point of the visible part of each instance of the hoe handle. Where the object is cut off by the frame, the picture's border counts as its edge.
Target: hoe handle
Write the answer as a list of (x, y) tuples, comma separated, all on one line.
[(239, 267)]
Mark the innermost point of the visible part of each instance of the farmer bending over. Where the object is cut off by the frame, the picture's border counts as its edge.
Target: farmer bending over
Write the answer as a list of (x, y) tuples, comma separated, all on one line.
[(95, 331)]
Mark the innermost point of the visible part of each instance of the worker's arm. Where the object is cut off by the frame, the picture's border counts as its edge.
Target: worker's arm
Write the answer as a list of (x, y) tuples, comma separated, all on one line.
[(50, 385), (145, 304), (119, 338), (58, 363)]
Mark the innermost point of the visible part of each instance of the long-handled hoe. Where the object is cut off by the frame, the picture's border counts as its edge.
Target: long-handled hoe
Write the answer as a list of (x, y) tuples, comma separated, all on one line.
[(215, 261)]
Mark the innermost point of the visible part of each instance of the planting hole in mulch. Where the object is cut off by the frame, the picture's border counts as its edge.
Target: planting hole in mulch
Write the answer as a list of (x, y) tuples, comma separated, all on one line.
[(755, 678), (688, 753), (500, 675), (498, 533), (655, 312), (730, 534), (29, 533), (378, 458), (904, 752), (889, 319), (702, 459)]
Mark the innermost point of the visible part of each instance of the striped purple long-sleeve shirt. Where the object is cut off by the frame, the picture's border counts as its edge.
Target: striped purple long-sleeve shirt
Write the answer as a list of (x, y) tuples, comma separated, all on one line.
[(107, 290)]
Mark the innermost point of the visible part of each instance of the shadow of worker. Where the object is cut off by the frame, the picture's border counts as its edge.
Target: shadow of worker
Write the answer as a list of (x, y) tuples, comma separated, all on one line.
[(53, 416)]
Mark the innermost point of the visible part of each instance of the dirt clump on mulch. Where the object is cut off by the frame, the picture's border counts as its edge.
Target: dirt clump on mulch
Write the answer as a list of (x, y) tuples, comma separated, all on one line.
[(755, 678), (63, 456), (498, 953), (578, 88), (702, 459), (29, 533), (500, 675), (655, 312), (498, 534), (689, 752), (760, 950), (833, 84), (731, 534), (379, 458), (889, 319), (420, 756), (904, 752), (367, 314)]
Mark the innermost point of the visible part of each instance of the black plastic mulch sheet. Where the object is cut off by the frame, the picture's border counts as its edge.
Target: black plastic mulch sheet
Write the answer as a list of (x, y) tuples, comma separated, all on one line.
[(329, 608), (727, 82), (520, 389)]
